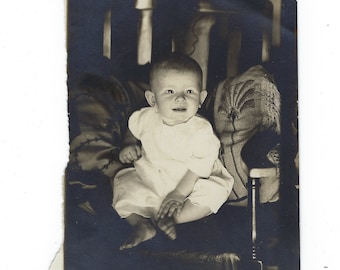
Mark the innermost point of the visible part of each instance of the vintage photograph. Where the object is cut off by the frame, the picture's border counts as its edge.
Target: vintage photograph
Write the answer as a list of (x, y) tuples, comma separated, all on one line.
[(183, 135)]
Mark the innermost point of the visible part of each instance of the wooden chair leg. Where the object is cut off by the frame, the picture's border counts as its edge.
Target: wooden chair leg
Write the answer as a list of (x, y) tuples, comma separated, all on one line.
[(277, 10), (254, 185), (254, 200), (144, 47)]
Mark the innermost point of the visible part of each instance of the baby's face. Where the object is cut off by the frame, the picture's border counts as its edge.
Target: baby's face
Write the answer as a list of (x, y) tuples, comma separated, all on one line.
[(177, 95)]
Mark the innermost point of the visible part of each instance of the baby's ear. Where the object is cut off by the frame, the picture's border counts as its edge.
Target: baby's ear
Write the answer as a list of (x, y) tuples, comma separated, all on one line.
[(203, 96), (150, 98)]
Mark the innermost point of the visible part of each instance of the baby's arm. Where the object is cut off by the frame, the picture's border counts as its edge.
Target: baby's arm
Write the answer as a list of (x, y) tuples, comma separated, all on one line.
[(131, 151), (174, 201)]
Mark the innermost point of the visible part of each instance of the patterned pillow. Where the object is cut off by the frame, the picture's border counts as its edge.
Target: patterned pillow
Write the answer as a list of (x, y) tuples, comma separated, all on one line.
[(244, 106)]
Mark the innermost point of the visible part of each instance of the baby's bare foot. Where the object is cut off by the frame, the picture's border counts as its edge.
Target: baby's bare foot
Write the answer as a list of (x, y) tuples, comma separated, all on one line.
[(143, 231), (168, 226)]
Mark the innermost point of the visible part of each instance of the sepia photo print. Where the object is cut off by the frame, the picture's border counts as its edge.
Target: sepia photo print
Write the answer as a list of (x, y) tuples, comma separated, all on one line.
[(183, 135)]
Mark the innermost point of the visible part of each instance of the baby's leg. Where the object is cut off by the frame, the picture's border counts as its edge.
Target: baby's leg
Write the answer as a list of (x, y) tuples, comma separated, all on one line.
[(206, 198), (168, 226), (190, 212), (143, 230)]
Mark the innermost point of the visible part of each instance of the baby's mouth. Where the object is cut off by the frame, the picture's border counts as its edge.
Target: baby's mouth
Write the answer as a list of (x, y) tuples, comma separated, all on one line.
[(179, 109)]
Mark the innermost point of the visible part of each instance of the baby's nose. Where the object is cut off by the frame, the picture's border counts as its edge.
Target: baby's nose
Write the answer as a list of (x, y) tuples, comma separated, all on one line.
[(180, 98)]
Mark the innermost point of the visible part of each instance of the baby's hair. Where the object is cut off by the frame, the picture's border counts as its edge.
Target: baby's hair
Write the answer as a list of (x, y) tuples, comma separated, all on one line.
[(176, 61)]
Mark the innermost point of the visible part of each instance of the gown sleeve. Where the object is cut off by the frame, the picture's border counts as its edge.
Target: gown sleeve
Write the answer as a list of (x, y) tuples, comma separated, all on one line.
[(138, 122)]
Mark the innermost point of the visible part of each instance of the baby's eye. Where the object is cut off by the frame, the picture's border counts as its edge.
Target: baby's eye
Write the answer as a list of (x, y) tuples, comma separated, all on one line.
[(190, 91), (169, 91)]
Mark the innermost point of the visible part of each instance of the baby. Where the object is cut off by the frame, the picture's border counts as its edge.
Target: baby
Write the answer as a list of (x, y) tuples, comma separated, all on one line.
[(177, 176)]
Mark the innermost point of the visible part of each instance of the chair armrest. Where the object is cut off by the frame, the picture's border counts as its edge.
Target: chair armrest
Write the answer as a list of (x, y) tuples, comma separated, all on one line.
[(263, 172)]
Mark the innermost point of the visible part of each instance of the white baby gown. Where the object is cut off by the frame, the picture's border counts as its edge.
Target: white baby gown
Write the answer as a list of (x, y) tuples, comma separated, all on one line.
[(168, 152)]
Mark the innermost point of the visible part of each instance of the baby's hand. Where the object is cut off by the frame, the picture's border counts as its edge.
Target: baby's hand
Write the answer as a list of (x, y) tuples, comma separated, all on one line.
[(130, 153), (172, 204)]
